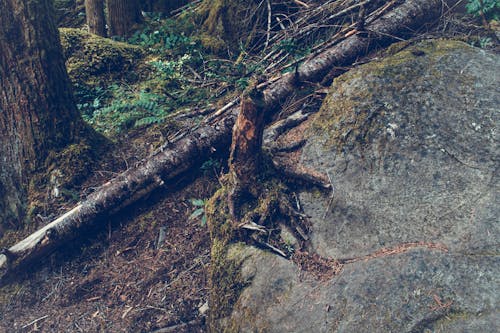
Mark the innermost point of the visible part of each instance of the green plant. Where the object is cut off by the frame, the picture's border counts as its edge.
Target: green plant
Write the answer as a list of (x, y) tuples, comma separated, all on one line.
[(89, 99), (164, 36), (485, 42), (127, 108), (486, 9), (293, 48), (242, 83), (178, 74), (171, 70), (199, 212)]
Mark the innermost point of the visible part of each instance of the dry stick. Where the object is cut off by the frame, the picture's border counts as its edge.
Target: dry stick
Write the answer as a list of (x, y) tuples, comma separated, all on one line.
[(269, 18), (339, 36), (35, 321), (298, 2), (302, 22), (180, 156)]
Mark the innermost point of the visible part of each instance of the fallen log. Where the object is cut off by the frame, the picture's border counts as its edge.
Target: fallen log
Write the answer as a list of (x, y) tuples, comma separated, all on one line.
[(178, 157)]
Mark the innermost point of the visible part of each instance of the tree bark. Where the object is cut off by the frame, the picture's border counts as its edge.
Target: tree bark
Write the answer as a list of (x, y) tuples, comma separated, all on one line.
[(215, 134), (246, 149), (37, 111), (122, 16), (94, 11), (247, 135)]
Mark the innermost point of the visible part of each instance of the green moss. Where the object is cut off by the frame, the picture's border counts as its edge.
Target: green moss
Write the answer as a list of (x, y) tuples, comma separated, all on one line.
[(88, 56), (224, 276), (226, 283), (72, 165), (145, 222), (225, 24), (63, 171), (212, 43), (352, 104)]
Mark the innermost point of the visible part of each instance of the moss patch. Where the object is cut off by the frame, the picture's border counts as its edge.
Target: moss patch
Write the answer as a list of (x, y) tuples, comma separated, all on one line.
[(226, 23), (266, 204), (348, 112), (224, 276), (57, 182), (89, 57)]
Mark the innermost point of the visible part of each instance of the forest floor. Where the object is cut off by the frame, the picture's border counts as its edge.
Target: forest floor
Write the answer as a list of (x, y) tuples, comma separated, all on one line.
[(125, 280)]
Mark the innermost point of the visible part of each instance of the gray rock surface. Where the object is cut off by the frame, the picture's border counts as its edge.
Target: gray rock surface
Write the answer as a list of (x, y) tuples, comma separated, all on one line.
[(411, 146), (414, 291)]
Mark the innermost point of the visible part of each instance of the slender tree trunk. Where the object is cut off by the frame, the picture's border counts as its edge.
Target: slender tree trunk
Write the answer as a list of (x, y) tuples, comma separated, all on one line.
[(37, 111), (94, 10), (122, 16)]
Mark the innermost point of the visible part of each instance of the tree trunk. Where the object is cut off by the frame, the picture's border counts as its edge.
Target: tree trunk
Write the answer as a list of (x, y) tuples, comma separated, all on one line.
[(215, 134), (37, 111), (246, 141), (246, 149), (122, 16), (94, 10)]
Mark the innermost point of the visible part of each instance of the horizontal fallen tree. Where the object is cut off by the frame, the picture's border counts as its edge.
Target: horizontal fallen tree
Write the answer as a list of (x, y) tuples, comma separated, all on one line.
[(214, 134)]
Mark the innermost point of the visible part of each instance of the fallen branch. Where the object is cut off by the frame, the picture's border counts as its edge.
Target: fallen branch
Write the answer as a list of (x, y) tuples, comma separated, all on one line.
[(212, 135)]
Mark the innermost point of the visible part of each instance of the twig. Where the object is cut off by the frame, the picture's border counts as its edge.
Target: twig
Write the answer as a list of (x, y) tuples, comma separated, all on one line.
[(35, 321), (179, 11), (223, 109), (298, 2), (269, 17), (198, 76)]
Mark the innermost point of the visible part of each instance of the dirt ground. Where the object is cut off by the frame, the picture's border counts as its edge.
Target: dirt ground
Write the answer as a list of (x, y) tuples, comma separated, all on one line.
[(123, 281)]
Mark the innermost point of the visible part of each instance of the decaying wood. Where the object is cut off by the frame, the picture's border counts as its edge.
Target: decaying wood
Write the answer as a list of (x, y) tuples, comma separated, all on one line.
[(246, 147), (178, 157)]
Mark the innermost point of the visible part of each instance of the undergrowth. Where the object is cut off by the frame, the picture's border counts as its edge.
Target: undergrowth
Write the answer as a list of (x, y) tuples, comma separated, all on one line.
[(179, 75), (487, 9)]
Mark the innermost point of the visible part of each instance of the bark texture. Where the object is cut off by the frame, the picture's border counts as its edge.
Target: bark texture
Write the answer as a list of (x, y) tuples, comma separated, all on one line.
[(215, 133), (246, 144), (94, 11), (37, 111), (122, 16), (247, 137)]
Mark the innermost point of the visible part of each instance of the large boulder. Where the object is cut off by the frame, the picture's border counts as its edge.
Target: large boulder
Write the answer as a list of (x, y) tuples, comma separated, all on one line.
[(411, 146)]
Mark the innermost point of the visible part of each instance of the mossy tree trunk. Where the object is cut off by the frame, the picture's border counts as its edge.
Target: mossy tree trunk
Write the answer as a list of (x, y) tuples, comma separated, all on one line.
[(37, 110), (94, 11), (123, 15)]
